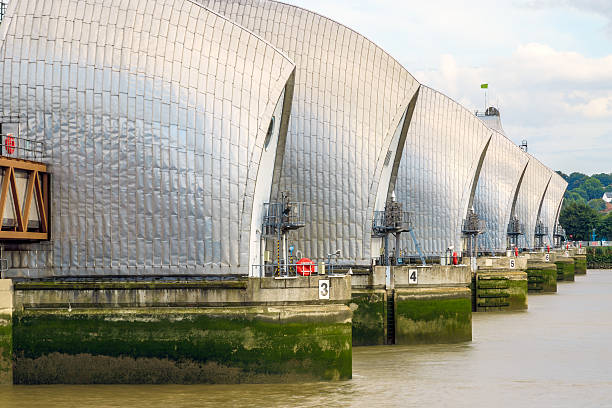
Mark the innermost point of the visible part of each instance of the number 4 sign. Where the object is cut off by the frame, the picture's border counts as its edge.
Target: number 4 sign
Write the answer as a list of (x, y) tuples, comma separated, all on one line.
[(413, 277)]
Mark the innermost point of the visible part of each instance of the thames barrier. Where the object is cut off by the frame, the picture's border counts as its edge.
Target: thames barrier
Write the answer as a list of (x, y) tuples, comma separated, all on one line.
[(242, 191)]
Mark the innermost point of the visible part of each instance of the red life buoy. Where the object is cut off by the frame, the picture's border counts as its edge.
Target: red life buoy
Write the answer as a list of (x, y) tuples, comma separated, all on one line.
[(455, 260), (9, 143), (548, 248), (305, 267), (515, 251)]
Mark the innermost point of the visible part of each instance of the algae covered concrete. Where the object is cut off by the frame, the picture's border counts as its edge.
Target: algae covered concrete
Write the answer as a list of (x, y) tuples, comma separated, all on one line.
[(433, 315), (6, 331), (225, 331), (369, 308), (501, 290), (182, 345), (565, 268), (542, 277), (580, 264)]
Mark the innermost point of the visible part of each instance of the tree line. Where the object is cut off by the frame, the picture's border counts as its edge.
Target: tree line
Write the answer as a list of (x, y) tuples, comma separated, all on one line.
[(584, 211)]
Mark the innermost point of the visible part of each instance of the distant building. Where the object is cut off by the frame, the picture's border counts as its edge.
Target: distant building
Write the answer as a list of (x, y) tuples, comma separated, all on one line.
[(607, 197)]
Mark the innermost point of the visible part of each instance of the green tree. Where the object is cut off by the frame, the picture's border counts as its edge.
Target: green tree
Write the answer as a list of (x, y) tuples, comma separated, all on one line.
[(579, 219), (593, 188), (597, 204), (605, 227), (575, 179), (605, 179), (573, 196), (582, 193)]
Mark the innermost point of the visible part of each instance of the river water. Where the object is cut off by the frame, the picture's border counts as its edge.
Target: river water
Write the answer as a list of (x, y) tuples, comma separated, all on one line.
[(558, 354)]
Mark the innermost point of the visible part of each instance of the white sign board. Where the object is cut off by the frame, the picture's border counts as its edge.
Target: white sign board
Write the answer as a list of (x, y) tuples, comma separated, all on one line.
[(324, 289), (512, 263), (547, 257), (413, 277)]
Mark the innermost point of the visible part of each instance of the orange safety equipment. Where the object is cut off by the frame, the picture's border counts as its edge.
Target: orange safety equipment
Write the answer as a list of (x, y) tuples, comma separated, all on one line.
[(305, 267), (455, 260), (515, 251), (548, 248)]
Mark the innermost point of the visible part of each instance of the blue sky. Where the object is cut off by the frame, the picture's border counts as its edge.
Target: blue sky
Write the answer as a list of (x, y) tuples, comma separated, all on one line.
[(548, 64)]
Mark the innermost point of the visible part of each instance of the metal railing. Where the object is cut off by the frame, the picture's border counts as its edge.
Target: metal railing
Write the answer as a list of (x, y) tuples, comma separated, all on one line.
[(515, 227), (2, 10), (283, 216), (541, 230), (20, 147), (559, 231), (391, 221), (473, 226), (295, 270)]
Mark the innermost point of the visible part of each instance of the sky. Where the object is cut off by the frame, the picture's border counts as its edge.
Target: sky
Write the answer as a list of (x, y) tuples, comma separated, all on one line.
[(548, 64)]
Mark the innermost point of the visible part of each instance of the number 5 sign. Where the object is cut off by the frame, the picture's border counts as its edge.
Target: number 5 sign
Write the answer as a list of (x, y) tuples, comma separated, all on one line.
[(512, 263), (324, 289)]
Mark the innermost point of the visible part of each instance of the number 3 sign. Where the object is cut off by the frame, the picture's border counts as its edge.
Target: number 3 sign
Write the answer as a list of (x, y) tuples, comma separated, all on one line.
[(324, 289)]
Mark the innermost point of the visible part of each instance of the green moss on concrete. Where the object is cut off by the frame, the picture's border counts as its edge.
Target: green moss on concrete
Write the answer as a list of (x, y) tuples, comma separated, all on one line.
[(502, 295), (193, 344), (542, 278), (6, 347), (369, 314), (580, 264), (599, 257), (433, 318), (565, 269)]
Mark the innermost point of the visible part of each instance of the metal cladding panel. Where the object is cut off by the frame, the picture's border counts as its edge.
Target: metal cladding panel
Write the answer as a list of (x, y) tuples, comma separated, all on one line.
[(153, 116), (502, 168), (493, 122), (529, 198), (349, 99), (552, 204), (439, 164)]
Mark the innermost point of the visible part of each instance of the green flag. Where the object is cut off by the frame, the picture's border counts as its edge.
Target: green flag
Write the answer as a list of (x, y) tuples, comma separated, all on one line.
[(484, 86)]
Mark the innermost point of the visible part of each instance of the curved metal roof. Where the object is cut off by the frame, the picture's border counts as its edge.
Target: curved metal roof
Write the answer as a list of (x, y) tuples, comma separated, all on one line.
[(154, 116), (350, 99)]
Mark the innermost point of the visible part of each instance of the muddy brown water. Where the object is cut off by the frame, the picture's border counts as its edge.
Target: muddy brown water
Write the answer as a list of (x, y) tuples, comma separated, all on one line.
[(557, 354)]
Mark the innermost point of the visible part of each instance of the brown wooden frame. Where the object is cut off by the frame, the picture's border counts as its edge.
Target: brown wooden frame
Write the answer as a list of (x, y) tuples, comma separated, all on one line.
[(37, 189)]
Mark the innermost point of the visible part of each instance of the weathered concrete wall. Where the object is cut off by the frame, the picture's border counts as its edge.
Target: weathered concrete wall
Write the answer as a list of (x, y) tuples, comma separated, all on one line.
[(501, 290), (542, 276), (182, 345), (369, 308), (255, 330), (433, 315), (430, 309), (580, 264), (565, 268), (6, 331), (502, 262)]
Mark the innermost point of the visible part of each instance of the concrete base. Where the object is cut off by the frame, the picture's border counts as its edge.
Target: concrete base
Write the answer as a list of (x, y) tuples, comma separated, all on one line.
[(580, 264), (168, 345), (542, 277), (565, 268), (500, 290), (6, 331), (252, 330), (433, 315), (369, 308)]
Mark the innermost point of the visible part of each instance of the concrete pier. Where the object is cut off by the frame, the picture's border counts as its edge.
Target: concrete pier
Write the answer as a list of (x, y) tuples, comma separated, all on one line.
[(6, 331), (541, 272), (251, 330), (500, 284), (412, 304), (580, 264), (565, 267)]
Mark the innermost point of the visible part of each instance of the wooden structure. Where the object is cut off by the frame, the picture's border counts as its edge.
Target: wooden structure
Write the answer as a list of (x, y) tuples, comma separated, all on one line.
[(24, 200)]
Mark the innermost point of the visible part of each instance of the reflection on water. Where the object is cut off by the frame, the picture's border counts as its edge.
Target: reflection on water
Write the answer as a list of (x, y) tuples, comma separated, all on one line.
[(559, 353)]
